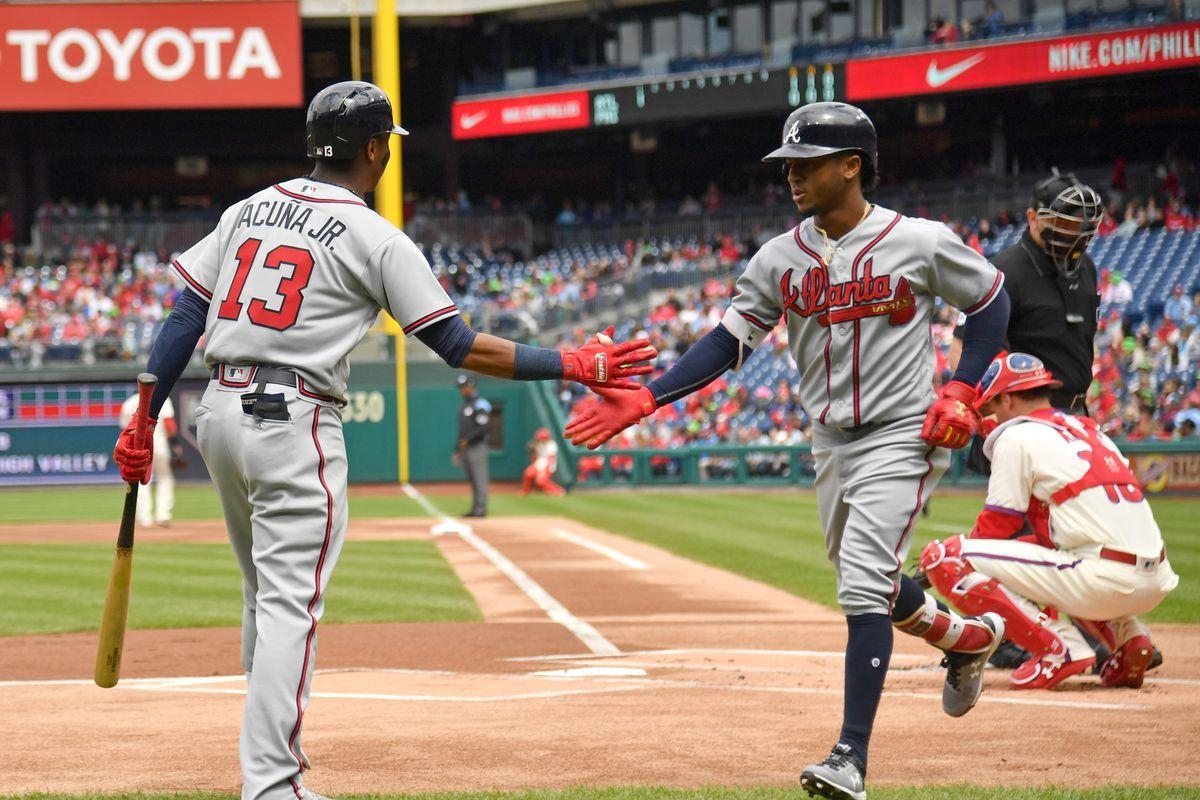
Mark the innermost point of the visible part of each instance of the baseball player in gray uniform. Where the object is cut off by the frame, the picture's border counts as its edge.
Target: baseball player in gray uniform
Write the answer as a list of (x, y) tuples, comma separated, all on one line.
[(284, 288), (855, 285)]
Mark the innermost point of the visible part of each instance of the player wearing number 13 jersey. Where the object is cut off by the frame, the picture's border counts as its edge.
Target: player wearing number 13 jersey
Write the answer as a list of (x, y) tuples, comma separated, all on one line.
[(284, 288), (306, 265)]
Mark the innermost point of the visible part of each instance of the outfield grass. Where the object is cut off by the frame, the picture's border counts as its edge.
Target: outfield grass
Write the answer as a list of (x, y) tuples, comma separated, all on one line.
[(58, 588), (770, 536), (716, 793), (192, 501)]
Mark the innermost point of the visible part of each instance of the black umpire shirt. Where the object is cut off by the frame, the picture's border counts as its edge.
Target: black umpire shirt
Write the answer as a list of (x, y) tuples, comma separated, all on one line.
[(1038, 323)]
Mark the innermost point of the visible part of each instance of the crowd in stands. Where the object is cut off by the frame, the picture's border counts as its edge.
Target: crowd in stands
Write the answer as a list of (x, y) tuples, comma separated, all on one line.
[(103, 301)]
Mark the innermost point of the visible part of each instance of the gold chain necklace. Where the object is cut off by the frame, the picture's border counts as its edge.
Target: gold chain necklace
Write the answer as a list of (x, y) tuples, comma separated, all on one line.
[(828, 257)]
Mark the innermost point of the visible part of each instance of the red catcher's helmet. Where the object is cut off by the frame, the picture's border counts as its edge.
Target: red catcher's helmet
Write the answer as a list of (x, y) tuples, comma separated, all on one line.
[(1013, 372), (542, 434)]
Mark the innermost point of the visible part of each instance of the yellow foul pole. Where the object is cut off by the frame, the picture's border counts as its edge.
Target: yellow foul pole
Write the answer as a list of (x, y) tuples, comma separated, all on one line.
[(385, 39)]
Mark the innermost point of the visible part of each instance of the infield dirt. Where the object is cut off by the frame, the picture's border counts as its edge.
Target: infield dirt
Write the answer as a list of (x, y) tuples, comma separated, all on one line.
[(740, 685)]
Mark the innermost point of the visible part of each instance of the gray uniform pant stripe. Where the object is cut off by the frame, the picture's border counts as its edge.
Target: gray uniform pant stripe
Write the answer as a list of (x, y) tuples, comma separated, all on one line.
[(283, 490), (870, 487)]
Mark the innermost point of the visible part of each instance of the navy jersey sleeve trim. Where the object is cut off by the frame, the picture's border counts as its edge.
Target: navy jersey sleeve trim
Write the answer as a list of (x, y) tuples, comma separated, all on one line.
[(704, 362), (983, 335), (450, 338), (174, 345)]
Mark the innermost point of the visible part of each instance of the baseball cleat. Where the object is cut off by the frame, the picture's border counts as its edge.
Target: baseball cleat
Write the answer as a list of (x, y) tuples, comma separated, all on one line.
[(841, 776), (1127, 666), (964, 671), (1046, 673)]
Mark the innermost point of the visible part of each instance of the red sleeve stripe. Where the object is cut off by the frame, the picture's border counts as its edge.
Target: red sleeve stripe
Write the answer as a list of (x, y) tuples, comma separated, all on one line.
[(308, 199), (428, 318), (757, 322), (987, 298), (192, 282)]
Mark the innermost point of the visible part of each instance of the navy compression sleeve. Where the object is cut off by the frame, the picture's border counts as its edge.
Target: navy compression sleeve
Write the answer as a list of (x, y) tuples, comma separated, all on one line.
[(450, 338), (174, 345), (703, 363), (983, 335)]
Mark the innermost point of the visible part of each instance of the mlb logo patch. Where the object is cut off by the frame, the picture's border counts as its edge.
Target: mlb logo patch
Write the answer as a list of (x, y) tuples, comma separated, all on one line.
[(237, 374)]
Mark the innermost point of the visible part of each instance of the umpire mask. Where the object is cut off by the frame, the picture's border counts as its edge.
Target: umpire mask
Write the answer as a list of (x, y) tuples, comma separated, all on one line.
[(1069, 213)]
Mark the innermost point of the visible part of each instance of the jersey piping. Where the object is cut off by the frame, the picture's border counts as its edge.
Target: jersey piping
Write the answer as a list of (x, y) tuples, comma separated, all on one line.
[(308, 199), (192, 282), (854, 277), (828, 328), (431, 318)]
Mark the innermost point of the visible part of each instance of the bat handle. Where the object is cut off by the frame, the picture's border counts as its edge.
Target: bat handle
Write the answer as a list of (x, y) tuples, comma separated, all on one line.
[(146, 384)]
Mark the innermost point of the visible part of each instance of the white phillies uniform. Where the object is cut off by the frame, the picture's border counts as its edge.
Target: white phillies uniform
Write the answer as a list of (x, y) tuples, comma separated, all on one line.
[(858, 311), (1033, 459), (161, 475), (294, 276)]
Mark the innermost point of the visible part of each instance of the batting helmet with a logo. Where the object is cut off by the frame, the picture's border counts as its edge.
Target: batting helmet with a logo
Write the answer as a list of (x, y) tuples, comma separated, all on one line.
[(342, 117), (818, 129)]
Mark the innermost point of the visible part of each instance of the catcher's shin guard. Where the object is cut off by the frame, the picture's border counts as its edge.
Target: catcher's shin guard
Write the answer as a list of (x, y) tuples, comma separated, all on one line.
[(974, 593)]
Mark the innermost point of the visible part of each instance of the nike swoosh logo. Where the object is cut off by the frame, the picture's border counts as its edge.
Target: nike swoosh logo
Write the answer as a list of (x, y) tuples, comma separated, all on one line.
[(468, 121), (940, 77)]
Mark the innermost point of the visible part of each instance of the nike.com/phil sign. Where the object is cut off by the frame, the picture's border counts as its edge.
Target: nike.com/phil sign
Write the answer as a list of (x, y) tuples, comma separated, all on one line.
[(533, 113), (149, 55), (1018, 63)]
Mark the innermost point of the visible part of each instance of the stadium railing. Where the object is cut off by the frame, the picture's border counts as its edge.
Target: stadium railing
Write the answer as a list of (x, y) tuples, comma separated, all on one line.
[(168, 232)]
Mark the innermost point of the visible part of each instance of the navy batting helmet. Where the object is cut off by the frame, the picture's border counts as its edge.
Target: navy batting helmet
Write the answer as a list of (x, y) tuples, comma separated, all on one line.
[(819, 129), (342, 117)]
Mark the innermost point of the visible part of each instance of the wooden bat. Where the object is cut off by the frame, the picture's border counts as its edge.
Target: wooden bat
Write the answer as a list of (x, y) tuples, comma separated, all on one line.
[(116, 601)]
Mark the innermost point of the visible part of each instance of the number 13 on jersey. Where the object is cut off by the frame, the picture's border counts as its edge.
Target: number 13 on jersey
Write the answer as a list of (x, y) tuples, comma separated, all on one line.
[(290, 288)]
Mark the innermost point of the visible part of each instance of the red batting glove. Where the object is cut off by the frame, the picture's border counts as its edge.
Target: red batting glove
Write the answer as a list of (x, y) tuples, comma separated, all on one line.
[(601, 363), (949, 422), (616, 411), (135, 464)]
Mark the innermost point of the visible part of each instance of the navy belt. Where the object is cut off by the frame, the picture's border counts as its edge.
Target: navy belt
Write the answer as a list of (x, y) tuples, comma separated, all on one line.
[(283, 377)]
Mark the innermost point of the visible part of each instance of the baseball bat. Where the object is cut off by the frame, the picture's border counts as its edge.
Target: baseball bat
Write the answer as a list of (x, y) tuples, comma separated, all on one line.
[(116, 600)]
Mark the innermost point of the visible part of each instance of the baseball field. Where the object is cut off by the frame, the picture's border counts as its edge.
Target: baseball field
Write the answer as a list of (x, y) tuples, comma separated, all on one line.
[(609, 645)]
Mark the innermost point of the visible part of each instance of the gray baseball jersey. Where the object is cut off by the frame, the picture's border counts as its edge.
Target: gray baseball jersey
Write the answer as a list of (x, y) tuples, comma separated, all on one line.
[(297, 273), (294, 275), (858, 326), (857, 312)]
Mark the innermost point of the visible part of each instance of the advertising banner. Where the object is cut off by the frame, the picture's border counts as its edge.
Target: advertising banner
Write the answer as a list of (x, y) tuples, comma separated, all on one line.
[(506, 116), (102, 56), (1091, 55)]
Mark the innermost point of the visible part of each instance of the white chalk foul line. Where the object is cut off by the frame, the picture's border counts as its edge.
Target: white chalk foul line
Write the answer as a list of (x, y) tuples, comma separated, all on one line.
[(604, 550), (557, 612)]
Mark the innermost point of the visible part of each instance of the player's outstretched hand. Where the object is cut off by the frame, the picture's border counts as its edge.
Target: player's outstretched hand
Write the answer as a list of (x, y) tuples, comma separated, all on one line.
[(616, 411), (950, 421), (603, 363), (135, 464)]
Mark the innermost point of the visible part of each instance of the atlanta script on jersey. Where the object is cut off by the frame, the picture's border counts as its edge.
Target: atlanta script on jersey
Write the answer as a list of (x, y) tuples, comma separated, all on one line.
[(858, 327)]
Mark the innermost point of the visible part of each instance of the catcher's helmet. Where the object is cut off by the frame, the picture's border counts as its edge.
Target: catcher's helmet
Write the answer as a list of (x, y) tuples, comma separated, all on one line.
[(819, 129), (1013, 372), (342, 117), (1072, 211)]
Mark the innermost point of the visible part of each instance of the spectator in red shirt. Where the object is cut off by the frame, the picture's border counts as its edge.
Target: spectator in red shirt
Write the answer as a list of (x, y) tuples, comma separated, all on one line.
[(1176, 217)]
